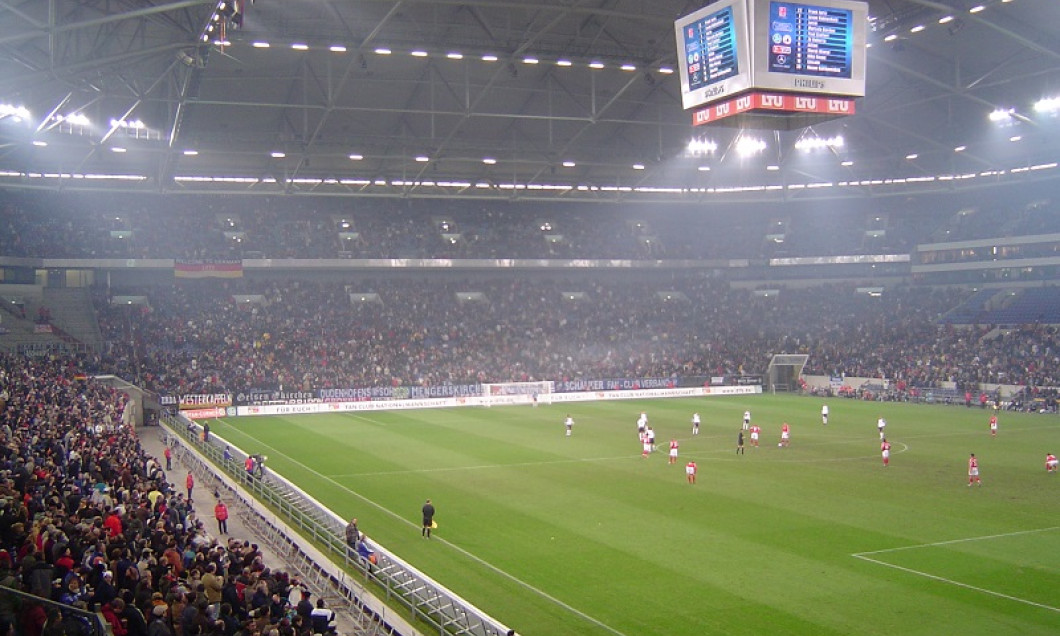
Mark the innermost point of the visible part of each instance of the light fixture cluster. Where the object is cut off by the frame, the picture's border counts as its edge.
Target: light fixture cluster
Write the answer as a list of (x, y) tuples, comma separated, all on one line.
[(951, 21), (528, 60), (809, 144), (16, 113)]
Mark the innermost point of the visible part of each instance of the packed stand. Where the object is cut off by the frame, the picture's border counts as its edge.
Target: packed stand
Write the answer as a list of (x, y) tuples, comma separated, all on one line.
[(91, 521), (310, 335)]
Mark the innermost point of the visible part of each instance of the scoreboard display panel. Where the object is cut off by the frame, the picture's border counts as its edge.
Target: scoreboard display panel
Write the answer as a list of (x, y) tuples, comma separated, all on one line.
[(810, 40), (810, 48), (713, 52), (815, 47)]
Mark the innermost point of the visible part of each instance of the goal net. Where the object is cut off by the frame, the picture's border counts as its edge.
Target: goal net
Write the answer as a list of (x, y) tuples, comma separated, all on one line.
[(784, 371), (517, 393)]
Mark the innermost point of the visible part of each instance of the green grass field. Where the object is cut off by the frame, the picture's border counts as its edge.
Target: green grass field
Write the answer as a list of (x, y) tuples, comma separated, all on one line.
[(555, 535)]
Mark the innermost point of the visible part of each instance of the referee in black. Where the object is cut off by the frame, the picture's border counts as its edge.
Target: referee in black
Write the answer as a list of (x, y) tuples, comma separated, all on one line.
[(428, 518)]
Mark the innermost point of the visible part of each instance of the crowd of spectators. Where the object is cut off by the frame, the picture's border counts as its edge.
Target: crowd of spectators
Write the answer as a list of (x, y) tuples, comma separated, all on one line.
[(302, 335), (89, 520), (86, 225)]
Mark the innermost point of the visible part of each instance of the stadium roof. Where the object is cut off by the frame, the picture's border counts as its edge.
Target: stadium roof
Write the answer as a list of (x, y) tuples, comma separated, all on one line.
[(495, 98)]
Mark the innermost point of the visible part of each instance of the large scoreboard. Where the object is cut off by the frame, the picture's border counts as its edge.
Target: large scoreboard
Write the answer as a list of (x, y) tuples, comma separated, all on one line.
[(809, 48)]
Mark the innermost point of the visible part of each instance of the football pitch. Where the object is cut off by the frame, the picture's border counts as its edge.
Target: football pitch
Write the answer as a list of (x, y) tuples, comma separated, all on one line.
[(558, 535)]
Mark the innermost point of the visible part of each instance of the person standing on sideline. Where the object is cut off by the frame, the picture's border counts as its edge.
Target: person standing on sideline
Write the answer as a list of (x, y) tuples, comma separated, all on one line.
[(353, 534), (881, 424), (206, 433), (168, 454), (569, 423), (673, 451), (227, 456), (885, 451), (690, 471), (428, 519), (973, 471), (220, 512), (189, 483), (1050, 463), (824, 414), (739, 442), (695, 423), (993, 425)]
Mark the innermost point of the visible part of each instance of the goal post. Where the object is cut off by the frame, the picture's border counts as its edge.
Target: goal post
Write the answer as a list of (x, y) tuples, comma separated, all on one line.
[(784, 371), (518, 393)]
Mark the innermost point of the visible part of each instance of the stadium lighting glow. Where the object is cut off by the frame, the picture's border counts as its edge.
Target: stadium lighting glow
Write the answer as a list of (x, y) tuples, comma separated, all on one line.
[(911, 156), (300, 47), (489, 58), (276, 154), (596, 65), (748, 146), (702, 146), (809, 144), (1001, 114), (454, 55), (118, 149), (1015, 138), (890, 38), (356, 157), (489, 161), (569, 164), (773, 168), (946, 19), (628, 67), (638, 166), (135, 124), (917, 29), (976, 9), (666, 70), (338, 48), (18, 113), (703, 168), (418, 53), (422, 158), (40, 144), (530, 60), (563, 63), (847, 164), (75, 119), (260, 45), (191, 153), (1046, 105), (382, 50), (960, 149)]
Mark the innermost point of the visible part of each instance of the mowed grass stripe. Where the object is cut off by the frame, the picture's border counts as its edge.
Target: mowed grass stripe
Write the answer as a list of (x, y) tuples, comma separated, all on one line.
[(645, 553)]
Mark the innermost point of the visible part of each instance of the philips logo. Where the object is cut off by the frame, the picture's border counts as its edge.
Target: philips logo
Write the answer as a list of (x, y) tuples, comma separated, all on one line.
[(808, 83)]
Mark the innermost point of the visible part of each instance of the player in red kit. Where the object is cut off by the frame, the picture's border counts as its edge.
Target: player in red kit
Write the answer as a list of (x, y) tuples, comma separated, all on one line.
[(1050, 463), (785, 435), (756, 430), (993, 426), (885, 451), (673, 451), (973, 471), (690, 472)]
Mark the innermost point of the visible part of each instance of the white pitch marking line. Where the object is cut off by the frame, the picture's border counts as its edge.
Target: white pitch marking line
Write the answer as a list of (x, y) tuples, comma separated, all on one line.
[(965, 540), (934, 577), (958, 583), (479, 560)]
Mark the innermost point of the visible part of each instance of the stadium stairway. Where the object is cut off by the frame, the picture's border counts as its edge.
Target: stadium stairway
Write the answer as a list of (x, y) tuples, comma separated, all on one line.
[(72, 312)]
